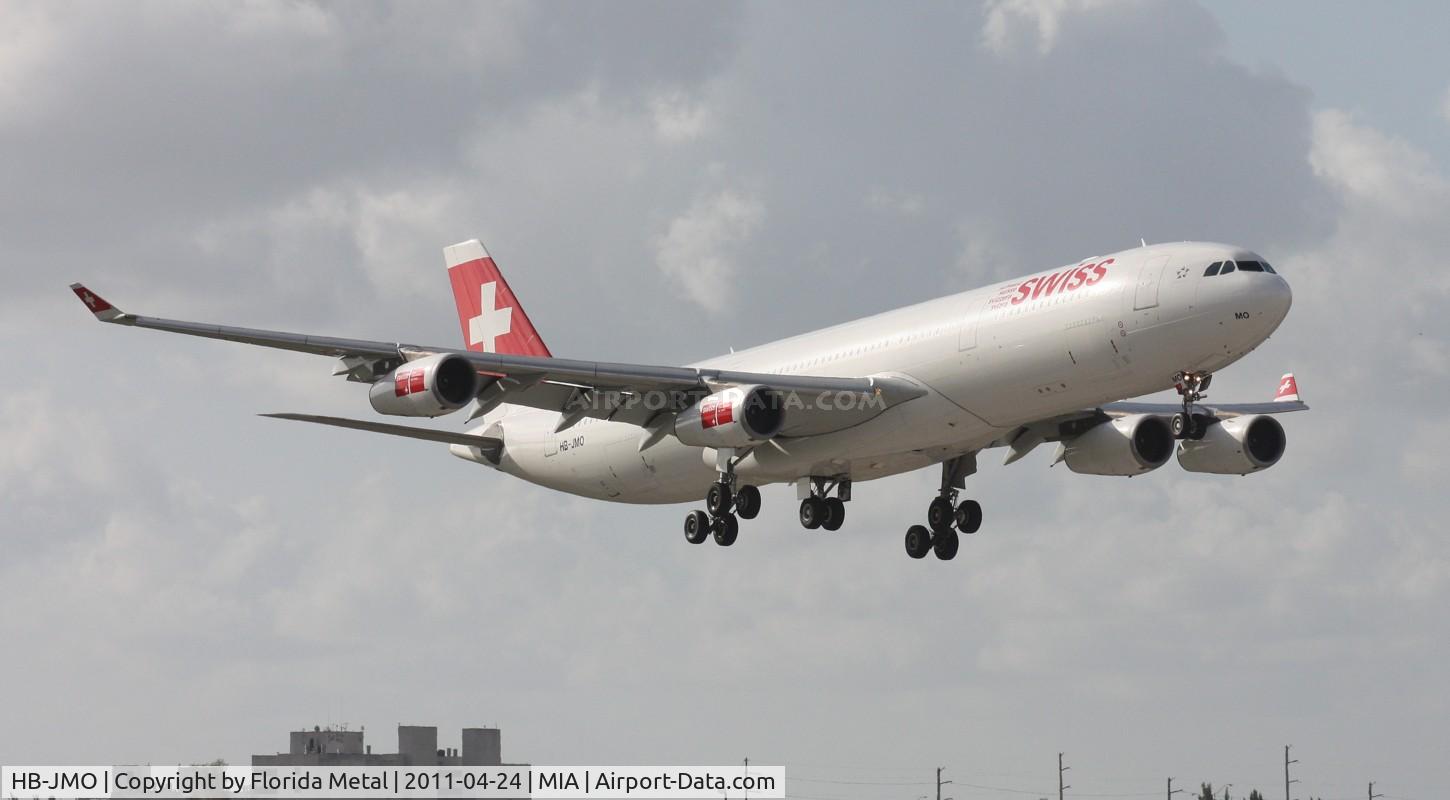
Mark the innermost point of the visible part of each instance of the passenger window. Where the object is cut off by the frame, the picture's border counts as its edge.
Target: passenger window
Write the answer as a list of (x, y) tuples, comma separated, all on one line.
[(1250, 266), (1212, 269), (1228, 266), (1268, 268)]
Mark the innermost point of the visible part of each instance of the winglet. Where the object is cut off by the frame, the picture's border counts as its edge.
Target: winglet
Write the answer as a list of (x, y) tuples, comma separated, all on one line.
[(104, 311), (1288, 389)]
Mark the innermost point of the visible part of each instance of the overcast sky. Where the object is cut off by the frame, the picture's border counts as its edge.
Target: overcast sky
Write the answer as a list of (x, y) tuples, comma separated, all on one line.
[(183, 580)]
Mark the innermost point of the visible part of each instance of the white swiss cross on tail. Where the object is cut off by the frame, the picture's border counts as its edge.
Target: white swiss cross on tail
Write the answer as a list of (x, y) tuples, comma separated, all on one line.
[(490, 316), (491, 322)]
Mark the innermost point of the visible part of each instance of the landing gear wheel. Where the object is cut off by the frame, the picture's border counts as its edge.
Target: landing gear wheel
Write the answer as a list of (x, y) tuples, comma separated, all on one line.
[(918, 541), (940, 515), (717, 500), (725, 528), (697, 527), (835, 514), (813, 512), (945, 545), (1179, 424), (747, 502), (969, 516)]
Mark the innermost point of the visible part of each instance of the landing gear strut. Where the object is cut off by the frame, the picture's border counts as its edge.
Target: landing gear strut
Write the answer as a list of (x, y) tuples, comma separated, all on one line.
[(818, 508), (1191, 387), (944, 517)]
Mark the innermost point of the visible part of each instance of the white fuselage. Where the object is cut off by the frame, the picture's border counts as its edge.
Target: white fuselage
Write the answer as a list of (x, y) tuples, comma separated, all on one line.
[(990, 360)]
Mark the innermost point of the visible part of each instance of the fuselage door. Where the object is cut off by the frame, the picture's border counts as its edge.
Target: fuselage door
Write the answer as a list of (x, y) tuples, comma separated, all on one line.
[(1148, 279), (967, 334)]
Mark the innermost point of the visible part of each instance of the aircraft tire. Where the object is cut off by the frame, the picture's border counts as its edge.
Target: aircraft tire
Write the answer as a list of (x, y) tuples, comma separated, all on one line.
[(697, 527), (945, 545), (835, 514), (726, 529), (747, 502), (717, 500), (918, 541), (1179, 425), (940, 515), (813, 513), (969, 516)]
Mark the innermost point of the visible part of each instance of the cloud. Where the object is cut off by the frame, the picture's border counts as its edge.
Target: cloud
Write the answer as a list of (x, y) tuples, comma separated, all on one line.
[(678, 118), (1011, 22), (28, 38), (698, 250)]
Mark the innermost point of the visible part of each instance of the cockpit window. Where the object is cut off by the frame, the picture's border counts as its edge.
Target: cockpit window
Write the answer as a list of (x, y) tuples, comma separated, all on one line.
[(1228, 266), (1250, 266), (1212, 269), (1268, 268)]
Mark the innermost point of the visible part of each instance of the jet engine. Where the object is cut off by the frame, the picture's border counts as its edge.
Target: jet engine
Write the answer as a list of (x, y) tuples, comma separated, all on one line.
[(1124, 446), (1235, 446), (740, 416), (428, 387)]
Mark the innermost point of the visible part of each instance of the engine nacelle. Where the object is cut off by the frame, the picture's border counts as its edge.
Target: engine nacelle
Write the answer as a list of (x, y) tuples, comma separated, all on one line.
[(428, 387), (1128, 445), (1235, 446), (740, 416)]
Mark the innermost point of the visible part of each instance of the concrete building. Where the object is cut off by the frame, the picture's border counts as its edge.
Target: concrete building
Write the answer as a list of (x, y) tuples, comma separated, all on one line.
[(417, 746)]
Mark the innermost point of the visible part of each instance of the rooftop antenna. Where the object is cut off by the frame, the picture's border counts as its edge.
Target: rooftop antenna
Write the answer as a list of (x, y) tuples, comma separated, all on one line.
[(1144, 241)]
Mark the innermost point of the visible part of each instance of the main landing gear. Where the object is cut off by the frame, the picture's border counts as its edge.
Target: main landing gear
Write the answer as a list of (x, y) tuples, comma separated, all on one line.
[(945, 517), (727, 503), (818, 508), (1191, 387)]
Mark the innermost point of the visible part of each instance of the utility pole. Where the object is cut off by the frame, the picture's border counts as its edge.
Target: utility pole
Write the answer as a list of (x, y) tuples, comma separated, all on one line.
[(1372, 795), (1061, 787), (1287, 762), (940, 783), (1172, 791)]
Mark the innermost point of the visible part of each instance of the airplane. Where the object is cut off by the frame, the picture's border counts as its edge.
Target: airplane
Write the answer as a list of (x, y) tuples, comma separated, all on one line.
[(1048, 358)]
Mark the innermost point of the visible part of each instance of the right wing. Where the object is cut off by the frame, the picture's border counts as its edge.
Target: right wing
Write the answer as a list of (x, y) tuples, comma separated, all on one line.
[(1024, 439)]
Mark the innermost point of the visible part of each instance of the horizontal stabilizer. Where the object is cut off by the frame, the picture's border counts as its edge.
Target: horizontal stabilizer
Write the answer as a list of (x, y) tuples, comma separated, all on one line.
[(490, 446)]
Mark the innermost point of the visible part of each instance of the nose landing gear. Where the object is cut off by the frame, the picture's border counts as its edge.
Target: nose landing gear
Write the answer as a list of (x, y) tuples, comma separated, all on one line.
[(1191, 387)]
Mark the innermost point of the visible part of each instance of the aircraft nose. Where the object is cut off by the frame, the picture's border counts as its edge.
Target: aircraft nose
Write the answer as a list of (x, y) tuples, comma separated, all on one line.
[(1280, 297)]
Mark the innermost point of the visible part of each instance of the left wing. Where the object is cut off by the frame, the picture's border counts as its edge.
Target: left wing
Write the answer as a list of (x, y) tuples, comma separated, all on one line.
[(545, 382)]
